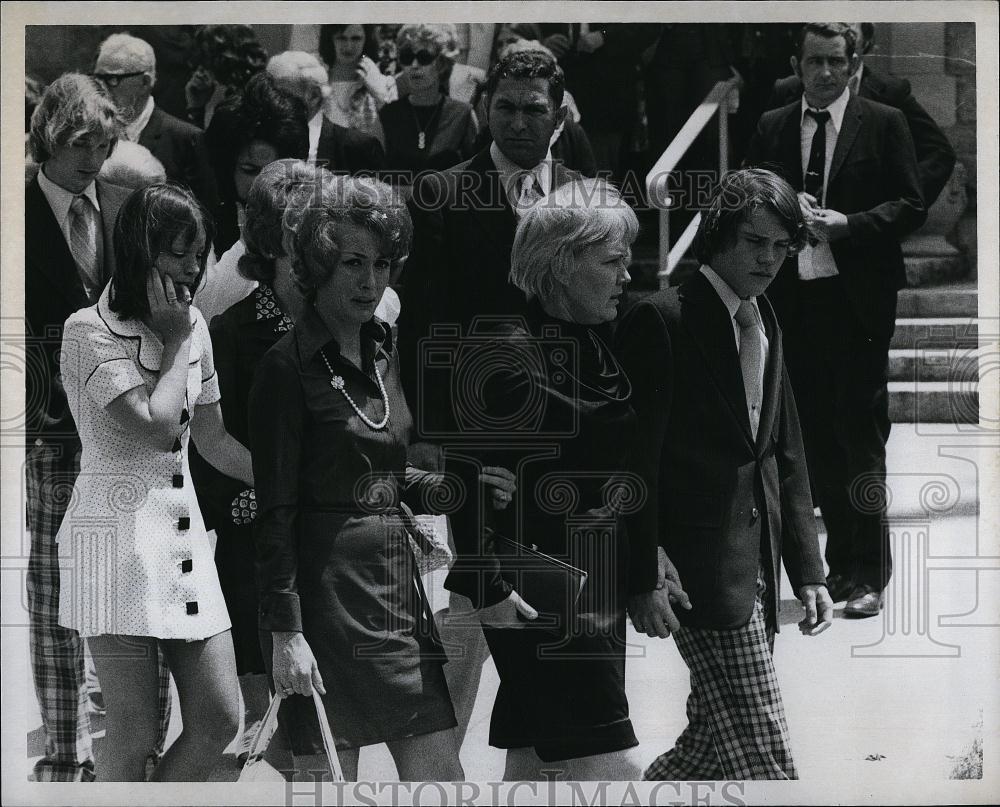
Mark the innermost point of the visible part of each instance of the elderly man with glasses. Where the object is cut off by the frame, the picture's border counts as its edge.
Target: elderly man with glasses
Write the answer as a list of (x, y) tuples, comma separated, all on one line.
[(127, 67)]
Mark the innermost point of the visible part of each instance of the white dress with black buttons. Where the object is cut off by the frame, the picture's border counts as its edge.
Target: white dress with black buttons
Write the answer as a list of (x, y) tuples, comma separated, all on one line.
[(134, 557)]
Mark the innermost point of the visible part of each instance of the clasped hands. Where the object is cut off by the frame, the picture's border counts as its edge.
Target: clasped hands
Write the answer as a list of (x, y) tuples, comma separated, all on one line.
[(652, 612), (823, 224)]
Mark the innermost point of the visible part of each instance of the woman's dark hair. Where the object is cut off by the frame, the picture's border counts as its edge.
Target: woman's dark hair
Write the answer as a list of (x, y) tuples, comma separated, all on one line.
[(529, 64), (279, 185), (263, 112), (328, 51), (312, 232), (735, 199), (231, 52), (149, 222)]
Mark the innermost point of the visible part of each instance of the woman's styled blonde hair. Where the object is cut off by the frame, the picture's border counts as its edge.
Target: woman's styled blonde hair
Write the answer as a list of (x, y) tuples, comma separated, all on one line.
[(552, 233)]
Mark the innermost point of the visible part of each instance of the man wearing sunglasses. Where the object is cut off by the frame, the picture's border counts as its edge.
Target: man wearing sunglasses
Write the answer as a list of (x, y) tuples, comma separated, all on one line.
[(127, 67)]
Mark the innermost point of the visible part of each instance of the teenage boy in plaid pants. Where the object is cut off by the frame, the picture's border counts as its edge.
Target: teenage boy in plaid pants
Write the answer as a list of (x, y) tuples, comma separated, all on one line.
[(728, 488), (69, 255)]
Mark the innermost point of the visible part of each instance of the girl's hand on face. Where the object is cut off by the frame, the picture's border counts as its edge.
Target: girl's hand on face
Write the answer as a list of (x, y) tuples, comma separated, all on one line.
[(169, 307)]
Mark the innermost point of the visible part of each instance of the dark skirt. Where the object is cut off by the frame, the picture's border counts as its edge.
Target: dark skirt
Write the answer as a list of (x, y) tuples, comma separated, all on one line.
[(234, 559), (365, 617), (563, 696)]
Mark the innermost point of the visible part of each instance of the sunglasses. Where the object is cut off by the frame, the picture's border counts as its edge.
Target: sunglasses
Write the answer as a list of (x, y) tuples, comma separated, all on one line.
[(114, 79), (423, 57)]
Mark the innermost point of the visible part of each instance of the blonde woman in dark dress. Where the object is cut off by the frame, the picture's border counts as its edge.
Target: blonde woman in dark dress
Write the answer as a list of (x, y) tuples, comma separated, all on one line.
[(556, 387)]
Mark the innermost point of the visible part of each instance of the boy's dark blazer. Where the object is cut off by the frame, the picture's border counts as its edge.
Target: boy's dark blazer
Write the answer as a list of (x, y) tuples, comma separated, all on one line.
[(716, 499), (52, 291)]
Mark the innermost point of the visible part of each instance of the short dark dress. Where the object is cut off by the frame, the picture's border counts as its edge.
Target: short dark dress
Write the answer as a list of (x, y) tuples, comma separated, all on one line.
[(565, 400), (241, 336), (333, 559)]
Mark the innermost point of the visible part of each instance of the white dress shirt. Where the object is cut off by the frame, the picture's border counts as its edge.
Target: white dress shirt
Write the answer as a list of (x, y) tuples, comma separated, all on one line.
[(511, 175), (731, 300), (60, 199), (817, 261), (315, 127), (134, 129)]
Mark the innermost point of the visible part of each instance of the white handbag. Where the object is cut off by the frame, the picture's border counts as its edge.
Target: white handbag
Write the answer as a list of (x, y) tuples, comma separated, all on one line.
[(256, 770)]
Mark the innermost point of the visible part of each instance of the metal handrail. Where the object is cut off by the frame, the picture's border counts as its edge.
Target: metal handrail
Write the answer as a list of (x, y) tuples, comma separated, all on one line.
[(720, 102)]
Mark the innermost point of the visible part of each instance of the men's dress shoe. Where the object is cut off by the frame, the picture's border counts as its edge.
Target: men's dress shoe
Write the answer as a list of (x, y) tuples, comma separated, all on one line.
[(864, 601), (839, 586)]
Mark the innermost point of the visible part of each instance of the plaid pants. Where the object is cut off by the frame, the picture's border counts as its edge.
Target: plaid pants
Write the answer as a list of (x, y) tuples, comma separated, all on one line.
[(736, 721), (57, 661)]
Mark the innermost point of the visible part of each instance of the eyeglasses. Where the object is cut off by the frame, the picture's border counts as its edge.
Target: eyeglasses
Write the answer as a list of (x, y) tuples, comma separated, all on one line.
[(423, 57), (114, 79)]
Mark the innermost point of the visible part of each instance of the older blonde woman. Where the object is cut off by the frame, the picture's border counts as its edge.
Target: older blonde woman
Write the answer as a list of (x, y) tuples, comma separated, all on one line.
[(553, 383), (426, 130)]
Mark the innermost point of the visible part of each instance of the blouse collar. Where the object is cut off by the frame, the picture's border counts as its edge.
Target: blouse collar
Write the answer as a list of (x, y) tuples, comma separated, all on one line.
[(150, 346), (313, 335)]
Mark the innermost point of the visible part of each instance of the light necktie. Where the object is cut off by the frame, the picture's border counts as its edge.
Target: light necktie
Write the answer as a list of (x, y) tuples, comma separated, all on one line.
[(528, 194), (751, 361), (816, 168), (854, 82), (84, 242)]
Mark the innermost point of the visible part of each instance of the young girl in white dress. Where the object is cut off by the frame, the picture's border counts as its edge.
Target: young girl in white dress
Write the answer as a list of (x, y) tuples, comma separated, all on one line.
[(135, 559)]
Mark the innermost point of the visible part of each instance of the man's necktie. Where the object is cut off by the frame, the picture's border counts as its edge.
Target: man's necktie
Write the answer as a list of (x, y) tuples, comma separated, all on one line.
[(751, 361), (528, 193), (816, 167), (84, 242), (854, 82)]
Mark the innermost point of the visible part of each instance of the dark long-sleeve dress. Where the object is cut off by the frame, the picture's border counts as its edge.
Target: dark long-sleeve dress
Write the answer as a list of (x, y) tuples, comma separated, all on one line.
[(333, 559), (561, 395), (241, 336), (449, 137)]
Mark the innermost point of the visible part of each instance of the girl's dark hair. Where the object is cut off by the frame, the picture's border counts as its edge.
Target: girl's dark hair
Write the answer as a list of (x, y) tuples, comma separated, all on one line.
[(231, 52), (328, 51), (735, 199), (264, 112), (149, 222)]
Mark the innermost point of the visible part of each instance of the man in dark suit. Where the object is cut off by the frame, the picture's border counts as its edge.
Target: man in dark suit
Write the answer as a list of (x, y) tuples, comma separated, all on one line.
[(127, 66), (336, 148), (69, 256), (727, 486), (854, 161), (935, 155), (464, 221)]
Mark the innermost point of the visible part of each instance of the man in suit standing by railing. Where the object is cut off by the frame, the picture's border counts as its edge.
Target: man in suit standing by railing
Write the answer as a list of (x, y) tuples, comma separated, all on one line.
[(854, 163), (935, 155)]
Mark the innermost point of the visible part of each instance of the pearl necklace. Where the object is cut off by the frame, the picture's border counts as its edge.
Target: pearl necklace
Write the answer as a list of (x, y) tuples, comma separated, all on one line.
[(337, 382)]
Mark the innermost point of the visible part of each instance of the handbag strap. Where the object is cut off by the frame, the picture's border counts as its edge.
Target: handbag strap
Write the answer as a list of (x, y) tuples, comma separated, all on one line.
[(262, 739), (328, 745)]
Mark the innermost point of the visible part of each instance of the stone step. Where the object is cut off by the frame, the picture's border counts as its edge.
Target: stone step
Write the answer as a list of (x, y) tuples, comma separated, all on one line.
[(951, 300), (936, 332), (933, 402), (926, 270), (917, 365)]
